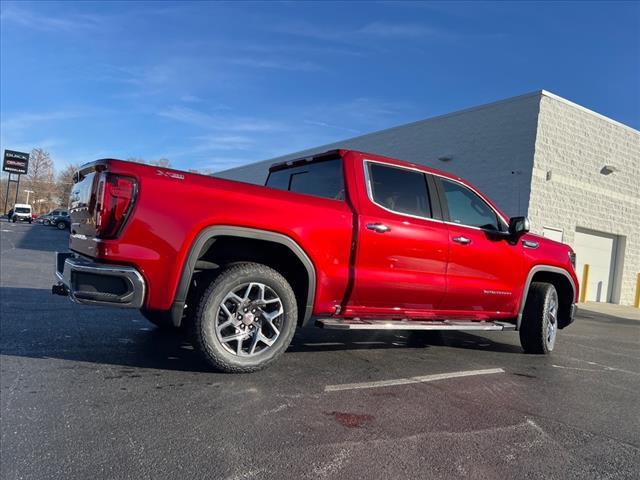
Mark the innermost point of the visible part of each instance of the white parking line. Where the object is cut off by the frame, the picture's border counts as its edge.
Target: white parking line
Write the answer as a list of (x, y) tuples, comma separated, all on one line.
[(409, 380)]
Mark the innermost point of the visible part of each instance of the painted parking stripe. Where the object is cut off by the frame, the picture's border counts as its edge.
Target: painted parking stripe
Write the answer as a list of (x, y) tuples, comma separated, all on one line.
[(409, 380)]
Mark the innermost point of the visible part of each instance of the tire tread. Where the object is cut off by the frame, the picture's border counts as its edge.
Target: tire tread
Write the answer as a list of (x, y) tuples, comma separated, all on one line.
[(532, 328)]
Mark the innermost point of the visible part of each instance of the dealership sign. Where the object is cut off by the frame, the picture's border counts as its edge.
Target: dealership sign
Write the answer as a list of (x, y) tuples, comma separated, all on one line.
[(15, 162)]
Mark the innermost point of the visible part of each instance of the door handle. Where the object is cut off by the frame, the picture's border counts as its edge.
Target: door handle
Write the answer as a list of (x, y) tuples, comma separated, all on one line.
[(378, 227), (462, 240)]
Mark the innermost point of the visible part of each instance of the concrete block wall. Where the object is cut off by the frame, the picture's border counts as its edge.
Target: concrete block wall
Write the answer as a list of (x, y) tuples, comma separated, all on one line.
[(572, 145), (491, 146)]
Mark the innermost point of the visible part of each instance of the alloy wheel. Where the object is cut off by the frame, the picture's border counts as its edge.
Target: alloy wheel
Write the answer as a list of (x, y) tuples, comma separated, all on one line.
[(249, 319)]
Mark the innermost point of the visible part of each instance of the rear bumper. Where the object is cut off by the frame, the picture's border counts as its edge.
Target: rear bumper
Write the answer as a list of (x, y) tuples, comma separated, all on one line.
[(91, 283)]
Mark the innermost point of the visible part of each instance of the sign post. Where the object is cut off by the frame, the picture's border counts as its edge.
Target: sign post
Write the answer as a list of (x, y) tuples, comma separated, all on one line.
[(14, 163)]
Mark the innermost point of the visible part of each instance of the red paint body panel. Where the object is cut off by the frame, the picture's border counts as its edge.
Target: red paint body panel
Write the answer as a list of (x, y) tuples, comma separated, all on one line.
[(413, 271), (484, 275)]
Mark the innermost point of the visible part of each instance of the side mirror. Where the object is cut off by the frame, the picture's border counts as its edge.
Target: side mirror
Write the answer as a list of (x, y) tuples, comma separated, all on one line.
[(518, 226)]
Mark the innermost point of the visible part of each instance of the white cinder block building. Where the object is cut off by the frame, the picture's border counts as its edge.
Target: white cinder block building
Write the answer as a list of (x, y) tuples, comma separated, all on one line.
[(574, 172)]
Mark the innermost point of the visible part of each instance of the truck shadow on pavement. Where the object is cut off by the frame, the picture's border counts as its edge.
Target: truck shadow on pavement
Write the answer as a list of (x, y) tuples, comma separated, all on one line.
[(37, 325), (316, 340), (40, 237)]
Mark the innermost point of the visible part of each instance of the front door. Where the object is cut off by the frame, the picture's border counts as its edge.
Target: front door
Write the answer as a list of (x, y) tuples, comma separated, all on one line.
[(484, 266), (402, 250)]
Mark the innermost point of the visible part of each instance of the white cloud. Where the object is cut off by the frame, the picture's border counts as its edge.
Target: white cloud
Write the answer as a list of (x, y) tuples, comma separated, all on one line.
[(290, 65), (317, 123), (211, 122), (402, 30), (50, 23), (190, 99), (17, 122)]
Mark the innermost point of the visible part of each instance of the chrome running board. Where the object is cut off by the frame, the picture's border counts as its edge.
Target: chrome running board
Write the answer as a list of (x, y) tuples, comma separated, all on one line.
[(360, 324)]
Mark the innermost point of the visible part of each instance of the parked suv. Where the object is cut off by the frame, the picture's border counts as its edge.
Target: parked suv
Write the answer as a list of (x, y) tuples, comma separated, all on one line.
[(46, 219), (22, 212), (346, 240), (61, 222)]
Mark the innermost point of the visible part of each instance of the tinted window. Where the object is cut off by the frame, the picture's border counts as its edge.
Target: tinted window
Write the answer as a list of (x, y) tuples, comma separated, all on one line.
[(399, 189), (322, 179), (467, 208), (22, 210)]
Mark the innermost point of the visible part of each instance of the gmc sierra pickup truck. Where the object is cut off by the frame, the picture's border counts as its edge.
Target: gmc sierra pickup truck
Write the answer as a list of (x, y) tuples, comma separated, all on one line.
[(344, 240)]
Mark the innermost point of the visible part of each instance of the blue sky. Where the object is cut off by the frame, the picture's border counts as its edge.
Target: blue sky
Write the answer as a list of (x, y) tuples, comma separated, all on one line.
[(215, 85)]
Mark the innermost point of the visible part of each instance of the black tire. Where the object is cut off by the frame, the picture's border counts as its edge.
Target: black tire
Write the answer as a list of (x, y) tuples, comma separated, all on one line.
[(30, 222), (61, 226), (539, 326), (13, 219), (207, 314)]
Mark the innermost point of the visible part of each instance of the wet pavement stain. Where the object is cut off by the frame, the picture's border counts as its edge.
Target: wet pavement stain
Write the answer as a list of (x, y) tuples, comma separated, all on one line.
[(351, 420)]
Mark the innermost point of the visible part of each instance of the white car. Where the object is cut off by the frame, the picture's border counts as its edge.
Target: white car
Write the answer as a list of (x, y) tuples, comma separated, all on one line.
[(22, 212)]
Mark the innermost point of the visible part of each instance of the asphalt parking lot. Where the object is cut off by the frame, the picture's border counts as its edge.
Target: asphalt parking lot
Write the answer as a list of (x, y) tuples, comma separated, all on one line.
[(101, 393)]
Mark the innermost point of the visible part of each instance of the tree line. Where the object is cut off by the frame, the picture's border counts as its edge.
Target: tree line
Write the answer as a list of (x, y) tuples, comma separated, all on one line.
[(45, 187)]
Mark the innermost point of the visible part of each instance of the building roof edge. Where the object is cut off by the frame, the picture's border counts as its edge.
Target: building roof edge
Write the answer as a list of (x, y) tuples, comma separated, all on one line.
[(558, 98)]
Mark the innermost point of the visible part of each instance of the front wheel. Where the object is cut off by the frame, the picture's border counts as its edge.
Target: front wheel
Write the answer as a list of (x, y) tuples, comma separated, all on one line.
[(540, 319), (246, 318)]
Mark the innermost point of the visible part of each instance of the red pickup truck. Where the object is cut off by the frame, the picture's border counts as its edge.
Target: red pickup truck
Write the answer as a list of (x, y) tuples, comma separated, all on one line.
[(344, 239)]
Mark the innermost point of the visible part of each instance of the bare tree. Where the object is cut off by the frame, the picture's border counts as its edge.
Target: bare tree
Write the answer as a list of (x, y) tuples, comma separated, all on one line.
[(161, 162), (40, 180), (64, 182)]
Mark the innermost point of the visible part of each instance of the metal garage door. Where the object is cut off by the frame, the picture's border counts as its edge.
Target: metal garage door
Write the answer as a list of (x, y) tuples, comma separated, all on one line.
[(597, 249)]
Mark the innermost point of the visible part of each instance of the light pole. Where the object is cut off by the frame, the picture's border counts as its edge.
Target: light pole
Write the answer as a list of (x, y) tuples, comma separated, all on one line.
[(27, 192)]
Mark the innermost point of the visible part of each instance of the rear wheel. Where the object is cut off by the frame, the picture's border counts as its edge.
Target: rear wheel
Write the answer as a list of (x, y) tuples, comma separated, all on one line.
[(246, 318), (540, 319), (61, 225)]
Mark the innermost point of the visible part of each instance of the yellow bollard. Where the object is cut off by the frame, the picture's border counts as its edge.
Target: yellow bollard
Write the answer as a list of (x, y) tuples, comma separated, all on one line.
[(637, 302), (583, 284)]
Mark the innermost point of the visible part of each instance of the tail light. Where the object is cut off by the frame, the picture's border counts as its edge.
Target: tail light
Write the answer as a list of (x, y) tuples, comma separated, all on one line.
[(114, 201)]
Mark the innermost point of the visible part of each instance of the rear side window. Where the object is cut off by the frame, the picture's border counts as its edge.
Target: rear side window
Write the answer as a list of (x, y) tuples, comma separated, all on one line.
[(399, 189), (321, 179), (467, 208)]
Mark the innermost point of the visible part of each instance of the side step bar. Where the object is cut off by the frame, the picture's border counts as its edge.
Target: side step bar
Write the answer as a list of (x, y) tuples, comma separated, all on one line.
[(359, 324)]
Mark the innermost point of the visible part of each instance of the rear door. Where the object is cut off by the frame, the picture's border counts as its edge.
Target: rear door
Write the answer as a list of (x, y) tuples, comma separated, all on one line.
[(402, 245), (485, 267)]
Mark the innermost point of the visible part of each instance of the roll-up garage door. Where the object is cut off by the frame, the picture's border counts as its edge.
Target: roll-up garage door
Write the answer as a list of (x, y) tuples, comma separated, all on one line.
[(598, 250)]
